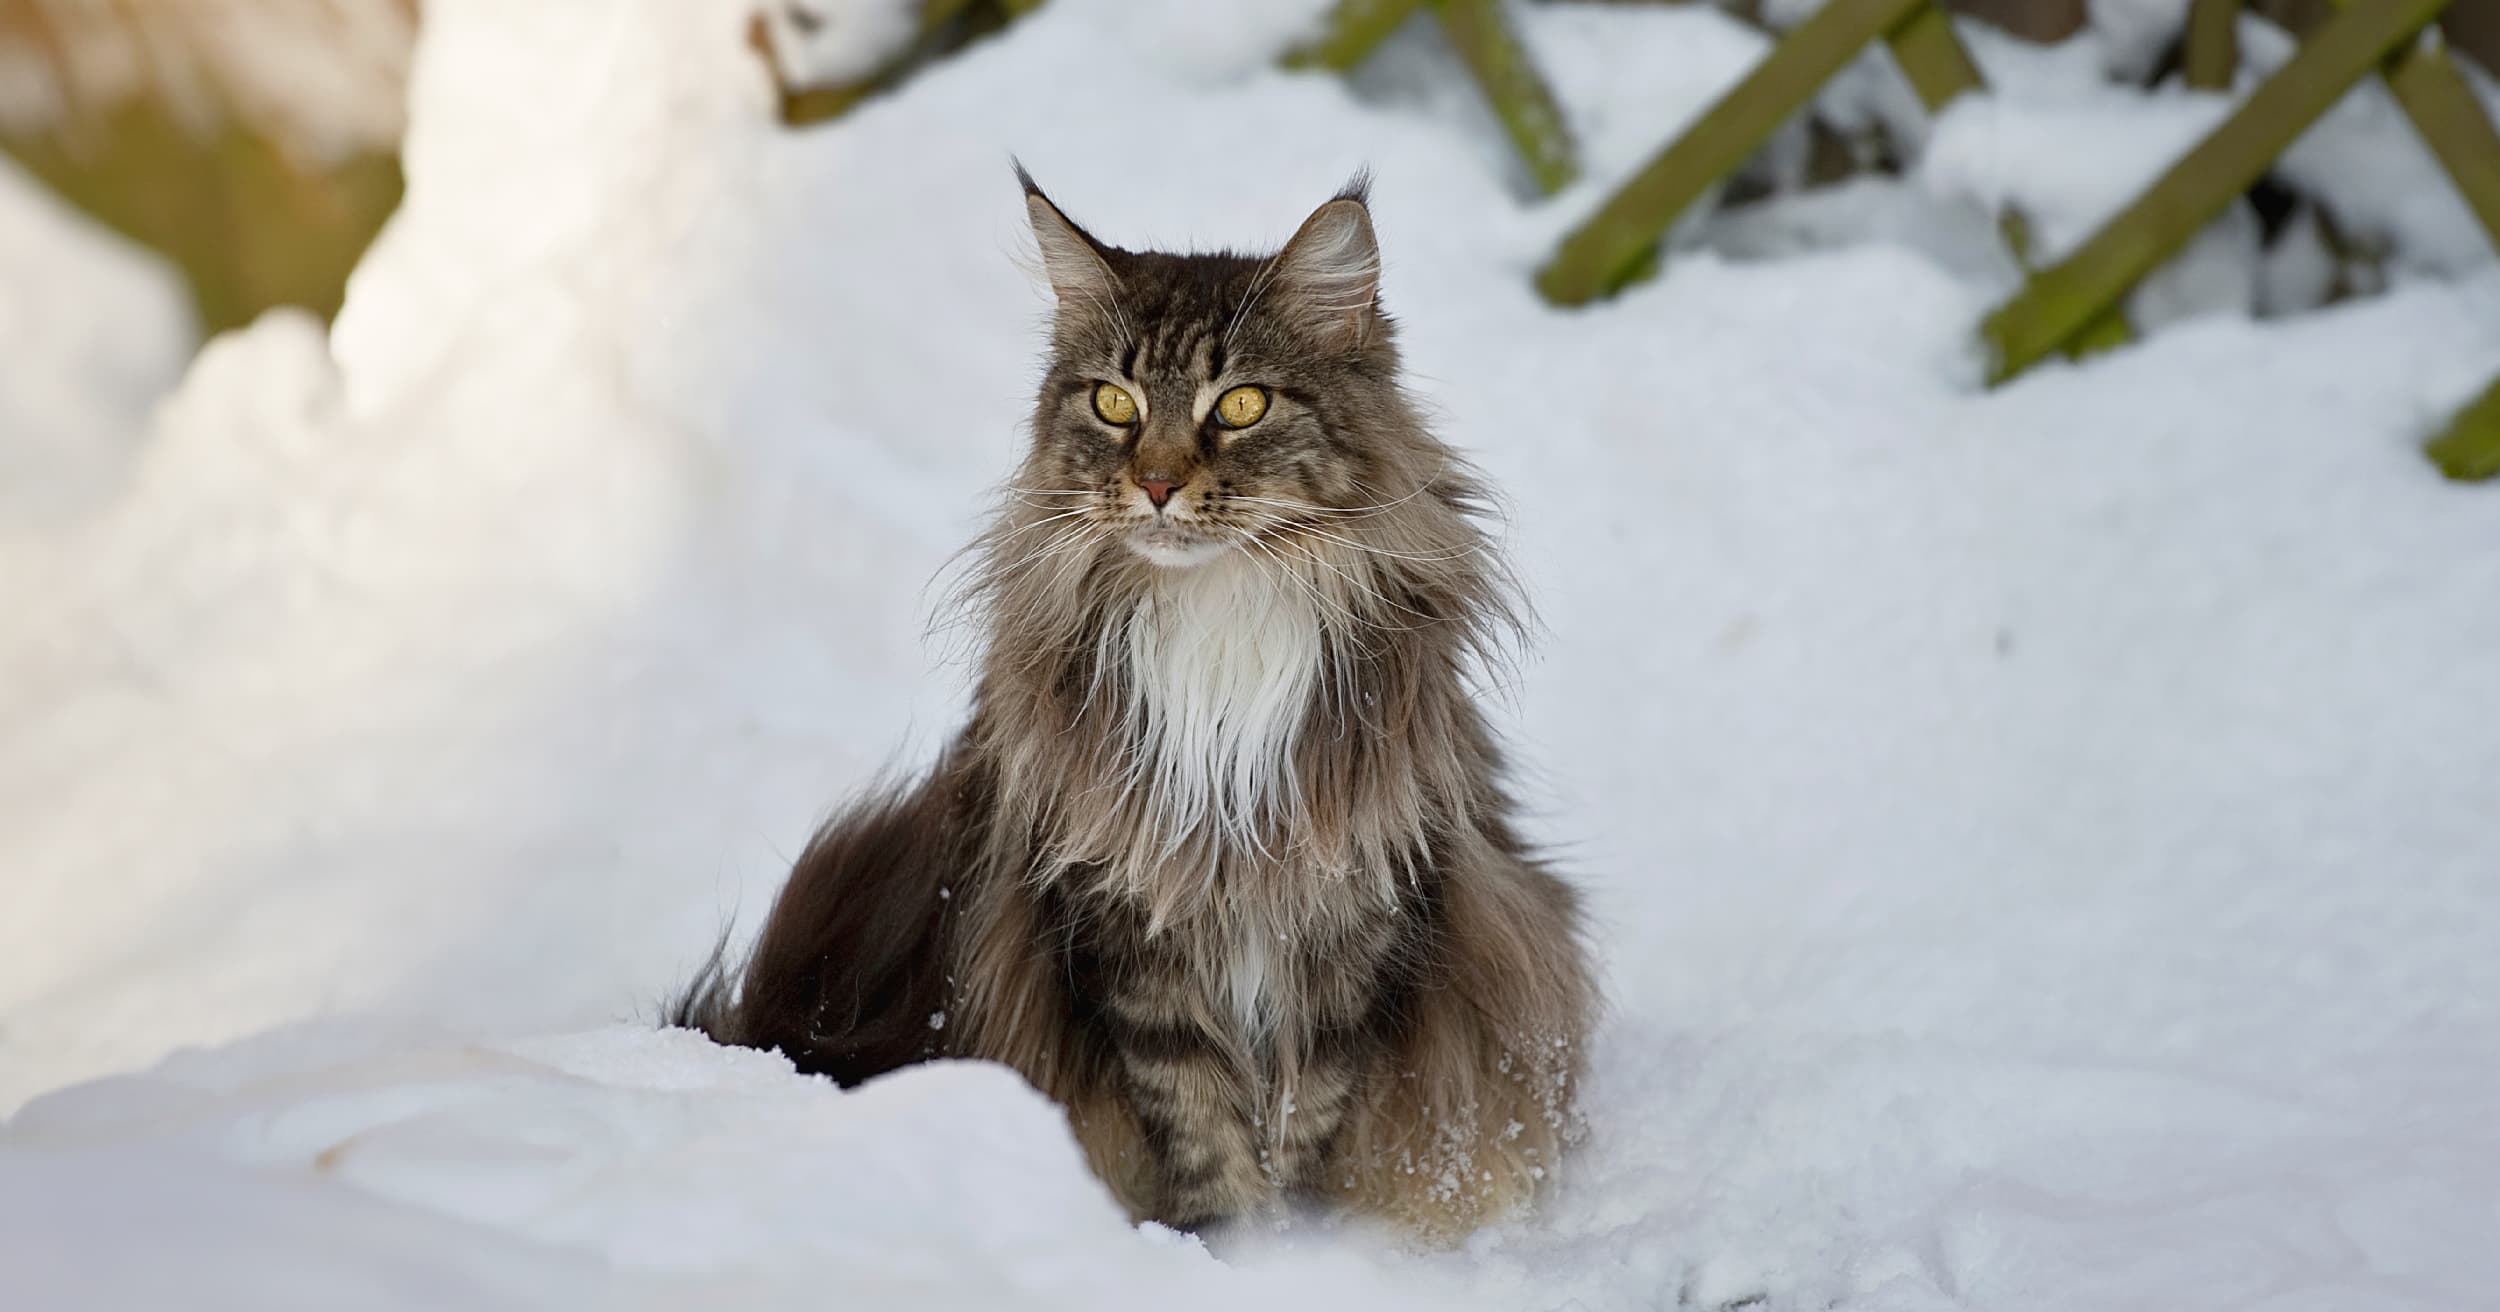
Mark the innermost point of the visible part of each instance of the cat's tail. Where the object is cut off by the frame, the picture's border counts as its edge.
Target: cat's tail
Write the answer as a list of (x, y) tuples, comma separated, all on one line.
[(851, 975), (708, 1002)]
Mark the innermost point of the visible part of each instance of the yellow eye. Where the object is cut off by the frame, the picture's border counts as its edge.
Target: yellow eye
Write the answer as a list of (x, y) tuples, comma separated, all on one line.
[(1241, 407), (1115, 406)]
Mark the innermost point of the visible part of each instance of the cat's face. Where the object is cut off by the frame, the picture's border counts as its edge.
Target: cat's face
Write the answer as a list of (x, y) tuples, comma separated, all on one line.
[(1195, 404)]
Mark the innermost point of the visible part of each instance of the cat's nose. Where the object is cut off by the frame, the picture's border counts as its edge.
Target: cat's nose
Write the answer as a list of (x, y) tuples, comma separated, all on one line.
[(1158, 489)]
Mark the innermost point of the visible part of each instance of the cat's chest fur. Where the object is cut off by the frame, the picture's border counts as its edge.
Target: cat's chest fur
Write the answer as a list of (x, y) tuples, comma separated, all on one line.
[(1222, 662)]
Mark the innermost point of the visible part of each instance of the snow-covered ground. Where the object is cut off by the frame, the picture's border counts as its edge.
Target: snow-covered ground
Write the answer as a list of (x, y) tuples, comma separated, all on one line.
[(93, 330), (2042, 840)]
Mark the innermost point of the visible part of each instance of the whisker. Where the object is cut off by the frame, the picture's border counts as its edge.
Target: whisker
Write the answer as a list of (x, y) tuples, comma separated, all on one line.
[(1421, 558), (1375, 594), (1312, 507), (1021, 493), (1054, 517), (1285, 570)]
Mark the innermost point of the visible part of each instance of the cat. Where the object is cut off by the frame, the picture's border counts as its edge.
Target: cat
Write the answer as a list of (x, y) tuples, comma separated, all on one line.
[(1222, 862)]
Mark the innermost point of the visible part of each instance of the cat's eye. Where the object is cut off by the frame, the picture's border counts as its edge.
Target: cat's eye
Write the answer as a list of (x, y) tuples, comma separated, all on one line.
[(1114, 405), (1241, 407)]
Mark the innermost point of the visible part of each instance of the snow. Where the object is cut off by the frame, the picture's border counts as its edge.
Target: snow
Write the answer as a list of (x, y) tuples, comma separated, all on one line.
[(817, 43), (431, 1171), (2072, 165), (2039, 839), (2064, 135), (1622, 102), (2069, 166), (94, 332), (2383, 183)]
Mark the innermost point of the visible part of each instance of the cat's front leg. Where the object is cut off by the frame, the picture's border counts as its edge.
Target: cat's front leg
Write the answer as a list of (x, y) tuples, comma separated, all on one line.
[(1466, 1113)]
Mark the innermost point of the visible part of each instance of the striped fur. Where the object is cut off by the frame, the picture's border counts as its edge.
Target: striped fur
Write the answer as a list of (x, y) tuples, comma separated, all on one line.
[(1223, 861)]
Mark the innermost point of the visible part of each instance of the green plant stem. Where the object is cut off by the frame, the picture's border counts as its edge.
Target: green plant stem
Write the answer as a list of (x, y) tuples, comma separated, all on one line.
[(2469, 451), (1933, 58), (2452, 123), (2213, 44), (1519, 97), (2058, 302), (1355, 29), (1602, 252)]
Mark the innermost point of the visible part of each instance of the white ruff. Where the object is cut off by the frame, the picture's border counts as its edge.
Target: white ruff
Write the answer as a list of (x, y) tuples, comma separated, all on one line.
[(1222, 660)]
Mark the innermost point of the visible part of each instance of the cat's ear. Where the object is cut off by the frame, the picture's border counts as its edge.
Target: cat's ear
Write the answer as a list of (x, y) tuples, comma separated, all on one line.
[(1071, 258), (1331, 268)]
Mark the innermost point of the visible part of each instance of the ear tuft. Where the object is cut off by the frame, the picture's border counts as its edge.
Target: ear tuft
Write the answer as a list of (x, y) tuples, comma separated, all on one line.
[(1071, 258), (1332, 266)]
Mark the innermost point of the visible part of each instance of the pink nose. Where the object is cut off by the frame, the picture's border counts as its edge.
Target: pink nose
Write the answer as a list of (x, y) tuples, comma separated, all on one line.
[(1158, 490)]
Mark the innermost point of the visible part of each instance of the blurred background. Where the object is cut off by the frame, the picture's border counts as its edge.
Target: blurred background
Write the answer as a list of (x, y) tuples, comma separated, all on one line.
[(253, 144)]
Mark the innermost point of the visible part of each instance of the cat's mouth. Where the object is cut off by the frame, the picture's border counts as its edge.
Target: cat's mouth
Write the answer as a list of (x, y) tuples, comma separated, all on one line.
[(1175, 547)]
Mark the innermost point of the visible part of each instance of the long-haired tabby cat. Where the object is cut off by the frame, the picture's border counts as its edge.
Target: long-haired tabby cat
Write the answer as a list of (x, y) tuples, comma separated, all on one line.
[(1223, 861)]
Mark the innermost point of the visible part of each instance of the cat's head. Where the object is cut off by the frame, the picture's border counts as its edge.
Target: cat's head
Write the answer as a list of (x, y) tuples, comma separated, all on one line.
[(1196, 404)]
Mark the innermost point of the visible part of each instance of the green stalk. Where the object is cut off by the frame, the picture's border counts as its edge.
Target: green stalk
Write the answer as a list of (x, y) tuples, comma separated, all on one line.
[(1519, 97), (1604, 251), (2108, 330), (2058, 302), (2452, 123), (2213, 44), (2469, 451), (1355, 29), (1933, 58)]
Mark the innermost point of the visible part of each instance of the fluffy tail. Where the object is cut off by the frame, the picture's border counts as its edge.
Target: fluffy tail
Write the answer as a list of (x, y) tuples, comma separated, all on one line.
[(850, 976), (708, 1001)]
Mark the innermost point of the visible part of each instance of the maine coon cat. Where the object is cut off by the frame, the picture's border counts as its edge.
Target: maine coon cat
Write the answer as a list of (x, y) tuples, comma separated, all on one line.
[(1223, 861)]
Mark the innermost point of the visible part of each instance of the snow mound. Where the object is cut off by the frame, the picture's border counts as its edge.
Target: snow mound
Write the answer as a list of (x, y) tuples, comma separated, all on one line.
[(630, 1162), (94, 332)]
